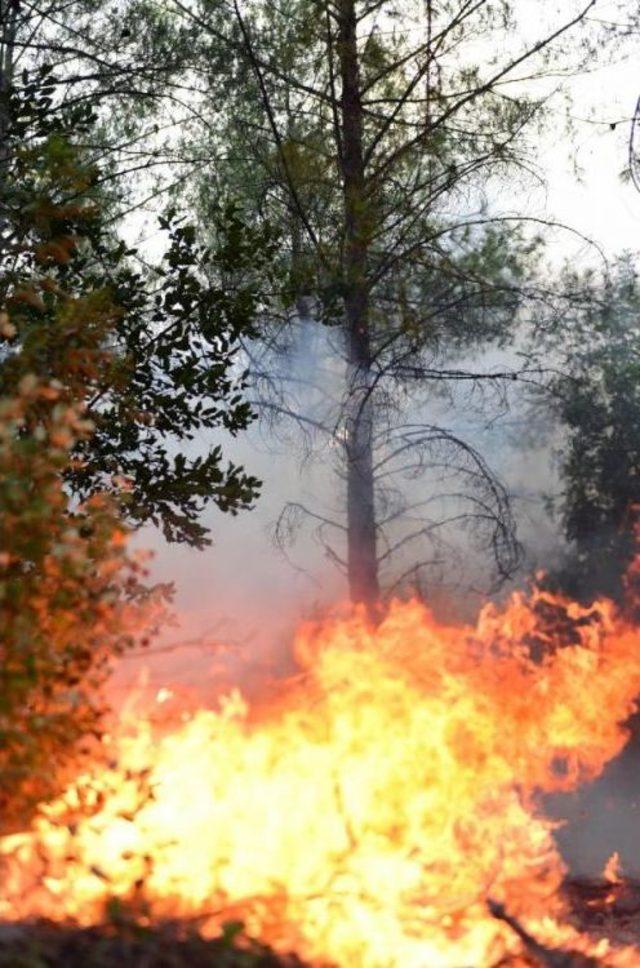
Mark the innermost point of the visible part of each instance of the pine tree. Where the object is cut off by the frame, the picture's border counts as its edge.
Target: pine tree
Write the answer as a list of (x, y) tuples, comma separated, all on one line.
[(369, 133)]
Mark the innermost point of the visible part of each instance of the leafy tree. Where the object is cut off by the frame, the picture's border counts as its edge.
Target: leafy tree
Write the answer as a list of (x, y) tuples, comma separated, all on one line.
[(174, 338), (100, 370), (595, 345), (70, 595)]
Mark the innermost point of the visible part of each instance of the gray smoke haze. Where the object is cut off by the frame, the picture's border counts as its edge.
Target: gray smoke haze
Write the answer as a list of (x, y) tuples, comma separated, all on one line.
[(243, 592), (246, 592), (264, 572)]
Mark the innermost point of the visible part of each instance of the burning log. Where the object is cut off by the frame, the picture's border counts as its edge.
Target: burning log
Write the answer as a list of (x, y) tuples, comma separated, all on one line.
[(544, 956), (620, 899)]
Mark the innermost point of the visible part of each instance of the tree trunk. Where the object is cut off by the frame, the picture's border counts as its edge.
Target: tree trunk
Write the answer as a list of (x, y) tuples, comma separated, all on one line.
[(362, 562), (8, 25)]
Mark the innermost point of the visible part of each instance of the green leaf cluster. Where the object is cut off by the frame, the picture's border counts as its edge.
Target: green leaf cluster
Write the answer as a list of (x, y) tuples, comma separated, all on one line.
[(174, 373)]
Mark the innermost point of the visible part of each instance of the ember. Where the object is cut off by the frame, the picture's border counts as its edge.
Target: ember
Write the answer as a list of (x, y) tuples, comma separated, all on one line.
[(381, 810)]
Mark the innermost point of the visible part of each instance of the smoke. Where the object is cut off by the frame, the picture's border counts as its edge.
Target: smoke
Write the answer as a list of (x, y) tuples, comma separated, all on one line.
[(239, 602), (266, 569), (602, 817)]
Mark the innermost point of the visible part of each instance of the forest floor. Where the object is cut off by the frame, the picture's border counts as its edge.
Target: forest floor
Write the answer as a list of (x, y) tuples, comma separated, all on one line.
[(42, 944), (606, 910)]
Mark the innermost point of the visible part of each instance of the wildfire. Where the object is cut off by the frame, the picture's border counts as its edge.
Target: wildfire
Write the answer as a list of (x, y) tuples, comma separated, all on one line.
[(612, 872), (372, 811)]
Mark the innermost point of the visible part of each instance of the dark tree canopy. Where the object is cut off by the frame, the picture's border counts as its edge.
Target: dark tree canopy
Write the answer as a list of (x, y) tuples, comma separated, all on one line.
[(596, 345)]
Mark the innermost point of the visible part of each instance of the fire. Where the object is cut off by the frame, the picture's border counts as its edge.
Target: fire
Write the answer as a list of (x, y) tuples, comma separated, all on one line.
[(612, 872), (370, 812)]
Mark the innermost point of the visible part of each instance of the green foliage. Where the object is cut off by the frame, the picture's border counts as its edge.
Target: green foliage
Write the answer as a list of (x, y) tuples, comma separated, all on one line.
[(432, 246), (176, 343), (102, 370), (70, 595), (598, 404), (176, 328)]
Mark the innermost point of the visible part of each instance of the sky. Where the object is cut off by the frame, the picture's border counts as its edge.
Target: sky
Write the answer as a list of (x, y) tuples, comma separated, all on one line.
[(595, 200)]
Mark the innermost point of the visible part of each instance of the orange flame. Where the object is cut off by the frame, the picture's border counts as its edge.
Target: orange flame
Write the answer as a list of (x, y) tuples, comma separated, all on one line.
[(612, 872), (366, 814)]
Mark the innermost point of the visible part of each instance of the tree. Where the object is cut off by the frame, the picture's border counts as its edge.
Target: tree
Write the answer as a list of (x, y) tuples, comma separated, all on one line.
[(175, 336), (375, 136), (70, 595), (127, 62), (595, 399), (369, 133), (100, 368)]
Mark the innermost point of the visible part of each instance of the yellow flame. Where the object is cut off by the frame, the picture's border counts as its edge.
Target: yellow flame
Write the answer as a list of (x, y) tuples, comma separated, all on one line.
[(612, 872), (366, 814)]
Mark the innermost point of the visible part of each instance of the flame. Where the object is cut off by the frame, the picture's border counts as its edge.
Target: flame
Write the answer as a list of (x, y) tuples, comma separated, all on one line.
[(612, 872), (369, 812)]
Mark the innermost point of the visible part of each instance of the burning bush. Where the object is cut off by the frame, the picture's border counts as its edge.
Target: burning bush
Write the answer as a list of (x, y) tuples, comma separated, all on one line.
[(70, 597)]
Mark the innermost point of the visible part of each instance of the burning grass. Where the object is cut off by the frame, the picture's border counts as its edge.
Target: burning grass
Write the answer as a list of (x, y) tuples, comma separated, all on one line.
[(382, 810)]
